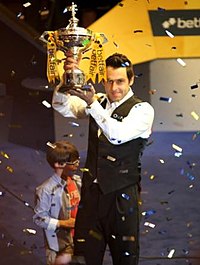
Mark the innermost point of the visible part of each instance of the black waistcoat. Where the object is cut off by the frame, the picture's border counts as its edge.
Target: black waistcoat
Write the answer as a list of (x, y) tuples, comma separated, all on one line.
[(114, 166)]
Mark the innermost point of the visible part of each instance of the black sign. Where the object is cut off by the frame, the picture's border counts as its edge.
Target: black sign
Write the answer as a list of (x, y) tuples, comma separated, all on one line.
[(177, 22)]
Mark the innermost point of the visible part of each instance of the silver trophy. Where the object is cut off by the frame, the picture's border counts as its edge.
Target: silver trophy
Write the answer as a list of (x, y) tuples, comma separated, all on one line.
[(76, 40)]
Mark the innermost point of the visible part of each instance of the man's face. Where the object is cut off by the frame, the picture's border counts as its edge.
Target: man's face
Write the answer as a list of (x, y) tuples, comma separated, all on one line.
[(117, 84)]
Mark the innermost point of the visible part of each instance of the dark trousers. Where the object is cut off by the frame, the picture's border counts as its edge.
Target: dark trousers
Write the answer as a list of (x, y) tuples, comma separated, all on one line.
[(111, 219)]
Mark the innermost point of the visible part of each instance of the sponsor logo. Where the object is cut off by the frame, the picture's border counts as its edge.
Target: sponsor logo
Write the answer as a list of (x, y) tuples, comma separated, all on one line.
[(179, 22)]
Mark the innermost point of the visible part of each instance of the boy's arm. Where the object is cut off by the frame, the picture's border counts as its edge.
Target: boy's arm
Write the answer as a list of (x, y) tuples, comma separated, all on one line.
[(69, 223)]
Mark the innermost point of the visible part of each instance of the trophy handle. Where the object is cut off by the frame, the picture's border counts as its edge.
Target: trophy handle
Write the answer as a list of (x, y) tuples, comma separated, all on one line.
[(43, 37)]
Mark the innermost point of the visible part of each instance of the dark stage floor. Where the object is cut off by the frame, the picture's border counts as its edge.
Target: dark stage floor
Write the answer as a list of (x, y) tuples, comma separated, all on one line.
[(170, 198)]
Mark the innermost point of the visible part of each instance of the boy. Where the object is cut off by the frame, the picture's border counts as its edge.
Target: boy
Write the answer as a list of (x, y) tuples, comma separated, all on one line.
[(57, 201)]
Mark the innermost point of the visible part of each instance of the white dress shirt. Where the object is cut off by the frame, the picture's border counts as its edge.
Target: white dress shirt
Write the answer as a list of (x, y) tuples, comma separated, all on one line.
[(138, 123)]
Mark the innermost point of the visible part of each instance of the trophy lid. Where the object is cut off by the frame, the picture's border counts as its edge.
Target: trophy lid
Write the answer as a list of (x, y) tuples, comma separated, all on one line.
[(72, 28)]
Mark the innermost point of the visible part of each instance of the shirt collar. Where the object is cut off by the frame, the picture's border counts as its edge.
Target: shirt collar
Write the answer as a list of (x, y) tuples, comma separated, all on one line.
[(58, 179)]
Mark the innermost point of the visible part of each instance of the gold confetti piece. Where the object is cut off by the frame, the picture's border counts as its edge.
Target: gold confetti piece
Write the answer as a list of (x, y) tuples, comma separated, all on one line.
[(10, 169), (128, 238), (152, 91), (84, 169), (177, 148), (4, 154), (81, 240), (152, 177), (95, 235), (111, 158), (195, 115)]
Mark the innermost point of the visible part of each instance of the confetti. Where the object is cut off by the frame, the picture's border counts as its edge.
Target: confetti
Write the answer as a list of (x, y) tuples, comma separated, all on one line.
[(30, 231), (126, 253), (194, 86), (169, 100), (152, 177), (4, 154), (51, 145), (195, 115), (169, 34), (148, 213), (161, 9), (81, 240), (138, 75), (125, 196), (74, 124), (13, 73), (177, 154), (171, 253), (170, 192), (138, 31), (46, 104), (152, 91), (115, 44), (125, 64), (2, 193), (149, 224), (10, 169), (177, 148), (181, 62), (27, 4), (95, 235), (68, 135), (161, 161), (128, 238), (179, 115), (84, 169), (111, 158)]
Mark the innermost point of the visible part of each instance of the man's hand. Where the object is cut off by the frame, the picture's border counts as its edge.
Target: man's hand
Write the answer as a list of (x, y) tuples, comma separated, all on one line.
[(70, 62), (87, 95)]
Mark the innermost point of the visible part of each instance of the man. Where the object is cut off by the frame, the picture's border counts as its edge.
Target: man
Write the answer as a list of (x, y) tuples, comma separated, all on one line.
[(119, 127)]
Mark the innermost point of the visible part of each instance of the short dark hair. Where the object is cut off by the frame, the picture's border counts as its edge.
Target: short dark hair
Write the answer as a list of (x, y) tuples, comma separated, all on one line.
[(117, 60), (61, 152)]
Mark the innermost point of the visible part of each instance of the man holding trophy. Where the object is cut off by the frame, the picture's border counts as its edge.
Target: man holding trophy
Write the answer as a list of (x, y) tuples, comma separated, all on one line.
[(119, 126)]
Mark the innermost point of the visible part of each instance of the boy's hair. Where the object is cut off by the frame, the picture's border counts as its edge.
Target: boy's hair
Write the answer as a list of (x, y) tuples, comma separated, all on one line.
[(117, 60), (61, 152)]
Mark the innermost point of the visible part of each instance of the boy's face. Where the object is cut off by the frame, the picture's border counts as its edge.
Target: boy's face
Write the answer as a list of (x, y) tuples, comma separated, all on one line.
[(67, 168), (71, 166)]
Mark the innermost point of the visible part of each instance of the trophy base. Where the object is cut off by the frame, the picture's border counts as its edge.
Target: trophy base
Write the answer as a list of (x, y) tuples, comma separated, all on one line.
[(72, 79)]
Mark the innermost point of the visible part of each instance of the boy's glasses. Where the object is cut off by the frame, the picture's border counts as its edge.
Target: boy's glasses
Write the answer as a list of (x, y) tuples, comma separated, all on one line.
[(74, 162)]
